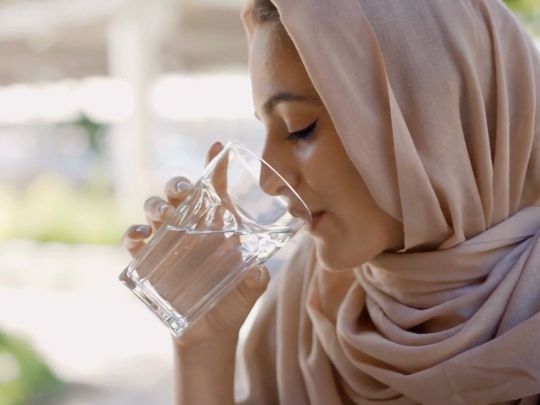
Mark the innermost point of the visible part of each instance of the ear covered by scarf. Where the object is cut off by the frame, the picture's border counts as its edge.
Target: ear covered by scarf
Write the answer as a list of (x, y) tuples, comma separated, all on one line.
[(436, 103), (438, 106)]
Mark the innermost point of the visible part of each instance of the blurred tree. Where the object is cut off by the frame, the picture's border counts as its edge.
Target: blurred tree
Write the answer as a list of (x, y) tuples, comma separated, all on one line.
[(529, 11), (22, 373), (95, 132), (524, 6)]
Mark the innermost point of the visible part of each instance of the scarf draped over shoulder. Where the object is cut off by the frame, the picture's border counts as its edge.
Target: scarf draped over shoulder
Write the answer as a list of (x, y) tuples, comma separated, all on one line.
[(437, 103)]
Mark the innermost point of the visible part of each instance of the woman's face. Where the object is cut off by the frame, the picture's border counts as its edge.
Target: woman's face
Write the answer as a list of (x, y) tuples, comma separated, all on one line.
[(302, 144)]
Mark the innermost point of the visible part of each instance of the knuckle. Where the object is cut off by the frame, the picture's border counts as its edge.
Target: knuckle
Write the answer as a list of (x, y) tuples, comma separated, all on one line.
[(224, 319), (218, 320), (245, 297), (175, 180), (131, 231), (129, 234), (126, 241), (133, 251), (177, 186), (151, 202)]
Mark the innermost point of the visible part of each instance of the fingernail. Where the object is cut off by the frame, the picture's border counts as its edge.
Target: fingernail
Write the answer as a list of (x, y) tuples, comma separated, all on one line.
[(255, 276), (182, 185), (163, 207), (144, 229), (216, 146)]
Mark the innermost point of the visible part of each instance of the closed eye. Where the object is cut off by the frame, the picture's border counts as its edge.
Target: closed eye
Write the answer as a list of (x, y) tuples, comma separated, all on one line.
[(304, 133)]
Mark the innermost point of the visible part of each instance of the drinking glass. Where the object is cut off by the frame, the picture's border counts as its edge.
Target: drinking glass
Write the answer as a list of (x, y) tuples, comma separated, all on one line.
[(238, 214)]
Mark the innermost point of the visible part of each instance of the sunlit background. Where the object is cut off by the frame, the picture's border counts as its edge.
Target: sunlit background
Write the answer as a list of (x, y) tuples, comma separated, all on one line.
[(101, 101)]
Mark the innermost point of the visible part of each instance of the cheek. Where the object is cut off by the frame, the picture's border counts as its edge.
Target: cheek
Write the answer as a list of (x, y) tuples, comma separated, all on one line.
[(320, 170)]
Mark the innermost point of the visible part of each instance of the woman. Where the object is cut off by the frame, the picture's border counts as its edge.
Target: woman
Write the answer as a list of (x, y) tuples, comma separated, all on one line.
[(412, 131)]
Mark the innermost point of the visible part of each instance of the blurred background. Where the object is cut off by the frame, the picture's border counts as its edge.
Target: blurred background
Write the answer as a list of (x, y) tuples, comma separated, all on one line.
[(101, 101)]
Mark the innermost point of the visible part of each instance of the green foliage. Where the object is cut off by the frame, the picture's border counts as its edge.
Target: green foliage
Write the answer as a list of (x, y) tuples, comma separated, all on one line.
[(94, 130), (527, 7), (529, 12), (22, 373), (50, 210)]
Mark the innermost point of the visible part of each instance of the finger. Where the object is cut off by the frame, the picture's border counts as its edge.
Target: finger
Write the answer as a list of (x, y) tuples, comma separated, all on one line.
[(219, 173), (157, 210), (235, 307), (213, 151), (177, 189), (254, 284), (133, 238)]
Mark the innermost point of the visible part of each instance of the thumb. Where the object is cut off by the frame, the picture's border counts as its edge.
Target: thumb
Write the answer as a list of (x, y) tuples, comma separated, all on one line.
[(236, 306), (250, 289), (253, 285)]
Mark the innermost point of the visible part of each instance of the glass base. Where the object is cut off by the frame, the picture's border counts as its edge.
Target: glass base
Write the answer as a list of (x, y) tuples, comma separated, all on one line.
[(176, 323)]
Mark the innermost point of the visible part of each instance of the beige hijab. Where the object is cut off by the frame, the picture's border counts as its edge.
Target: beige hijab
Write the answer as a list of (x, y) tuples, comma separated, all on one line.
[(438, 105)]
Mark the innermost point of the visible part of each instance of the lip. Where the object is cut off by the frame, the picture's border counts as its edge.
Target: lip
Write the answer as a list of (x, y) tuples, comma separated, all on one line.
[(298, 213), (315, 220)]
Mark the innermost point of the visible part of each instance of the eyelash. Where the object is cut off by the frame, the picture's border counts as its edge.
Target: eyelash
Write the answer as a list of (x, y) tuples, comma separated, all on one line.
[(304, 133)]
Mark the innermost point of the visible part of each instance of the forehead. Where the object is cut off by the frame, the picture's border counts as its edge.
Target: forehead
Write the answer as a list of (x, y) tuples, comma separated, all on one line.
[(275, 66)]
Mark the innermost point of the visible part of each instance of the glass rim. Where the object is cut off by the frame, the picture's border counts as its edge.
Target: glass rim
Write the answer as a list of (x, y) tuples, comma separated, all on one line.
[(230, 145)]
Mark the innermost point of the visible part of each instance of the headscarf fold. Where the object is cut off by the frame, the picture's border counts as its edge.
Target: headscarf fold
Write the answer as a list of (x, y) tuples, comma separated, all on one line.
[(438, 106)]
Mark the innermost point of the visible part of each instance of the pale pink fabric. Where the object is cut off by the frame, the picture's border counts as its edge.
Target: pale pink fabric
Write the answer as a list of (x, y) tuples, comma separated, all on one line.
[(438, 105)]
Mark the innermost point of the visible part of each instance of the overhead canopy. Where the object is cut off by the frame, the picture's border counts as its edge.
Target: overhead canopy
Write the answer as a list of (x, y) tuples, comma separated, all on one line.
[(47, 40)]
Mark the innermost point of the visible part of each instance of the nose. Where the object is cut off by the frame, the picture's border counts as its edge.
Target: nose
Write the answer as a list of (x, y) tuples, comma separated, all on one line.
[(274, 172), (275, 176), (271, 182)]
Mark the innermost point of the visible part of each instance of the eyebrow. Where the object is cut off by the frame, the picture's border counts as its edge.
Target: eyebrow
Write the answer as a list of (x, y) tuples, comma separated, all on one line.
[(282, 97)]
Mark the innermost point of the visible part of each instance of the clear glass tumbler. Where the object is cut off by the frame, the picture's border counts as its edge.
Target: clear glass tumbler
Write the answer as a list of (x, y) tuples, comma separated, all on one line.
[(238, 214)]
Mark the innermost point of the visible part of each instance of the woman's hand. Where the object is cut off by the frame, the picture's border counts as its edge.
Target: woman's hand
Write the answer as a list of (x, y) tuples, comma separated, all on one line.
[(221, 325)]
